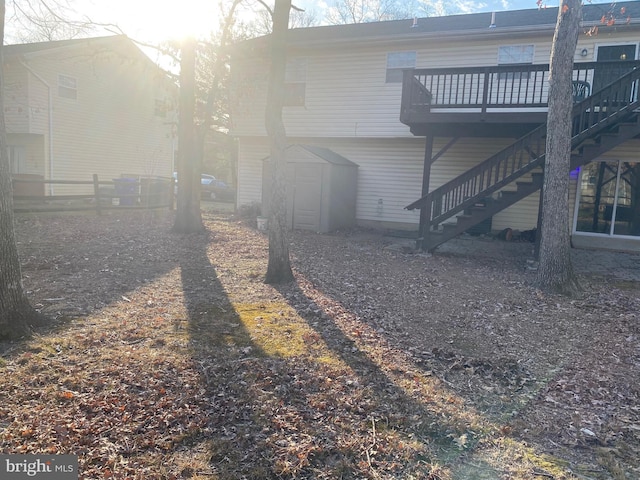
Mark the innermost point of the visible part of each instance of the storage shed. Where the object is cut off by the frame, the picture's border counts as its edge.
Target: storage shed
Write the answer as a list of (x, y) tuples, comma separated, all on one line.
[(321, 189)]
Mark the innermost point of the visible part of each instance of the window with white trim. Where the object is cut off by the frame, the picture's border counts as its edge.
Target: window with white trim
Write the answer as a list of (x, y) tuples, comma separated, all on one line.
[(67, 87), (17, 159), (396, 63), (515, 55)]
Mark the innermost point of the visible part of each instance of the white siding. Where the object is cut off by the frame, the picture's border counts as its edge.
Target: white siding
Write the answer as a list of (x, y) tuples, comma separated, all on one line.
[(16, 108), (389, 175), (110, 129), (251, 153), (346, 93), (38, 106), (350, 109)]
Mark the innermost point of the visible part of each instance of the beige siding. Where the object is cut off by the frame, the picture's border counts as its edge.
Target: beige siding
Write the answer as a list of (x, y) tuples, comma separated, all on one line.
[(346, 93), (17, 108), (26, 101), (390, 171), (389, 175), (38, 105), (251, 153), (350, 109), (520, 216), (627, 151), (110, 129)]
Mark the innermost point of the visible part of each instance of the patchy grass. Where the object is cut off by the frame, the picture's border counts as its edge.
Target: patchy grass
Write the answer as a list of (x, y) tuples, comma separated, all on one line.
[(170, 359)]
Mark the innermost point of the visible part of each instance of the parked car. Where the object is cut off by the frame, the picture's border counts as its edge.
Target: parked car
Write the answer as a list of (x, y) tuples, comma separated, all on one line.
[(212, 189), (215, 189)]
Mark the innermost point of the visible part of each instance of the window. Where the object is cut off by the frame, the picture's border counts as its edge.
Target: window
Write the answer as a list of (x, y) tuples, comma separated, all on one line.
[(609, 198), (67, 87), (515, 55), (396, 62), (295, 80), (17, 159)]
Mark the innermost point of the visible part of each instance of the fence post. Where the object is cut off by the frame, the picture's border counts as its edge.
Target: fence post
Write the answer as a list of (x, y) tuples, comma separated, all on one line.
[(96, 192)]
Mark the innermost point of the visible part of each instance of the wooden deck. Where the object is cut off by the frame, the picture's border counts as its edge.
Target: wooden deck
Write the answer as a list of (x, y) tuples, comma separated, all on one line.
[(495, 101), (602, 120)]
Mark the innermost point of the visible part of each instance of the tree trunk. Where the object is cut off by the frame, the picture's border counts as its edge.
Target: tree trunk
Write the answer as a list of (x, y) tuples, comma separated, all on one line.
[(279, 266), (16, 314), (555, 272), (188, 217)]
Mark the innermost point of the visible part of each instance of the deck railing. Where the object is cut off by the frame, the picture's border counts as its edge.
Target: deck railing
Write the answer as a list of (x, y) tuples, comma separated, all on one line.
[(598, 112), (495, 87)]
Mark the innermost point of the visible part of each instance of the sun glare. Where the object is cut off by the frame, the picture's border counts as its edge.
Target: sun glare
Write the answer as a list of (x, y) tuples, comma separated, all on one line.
[(153, 21)]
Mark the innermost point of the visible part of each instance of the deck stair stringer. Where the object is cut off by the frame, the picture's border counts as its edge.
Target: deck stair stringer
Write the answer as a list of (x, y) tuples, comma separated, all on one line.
[(600, 122)]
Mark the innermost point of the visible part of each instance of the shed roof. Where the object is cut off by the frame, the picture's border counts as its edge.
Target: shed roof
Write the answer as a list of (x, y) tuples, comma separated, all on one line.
[(326, 155)]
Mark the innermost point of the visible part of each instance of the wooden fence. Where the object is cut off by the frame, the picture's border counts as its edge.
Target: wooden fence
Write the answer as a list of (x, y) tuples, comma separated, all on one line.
[(126, 193)]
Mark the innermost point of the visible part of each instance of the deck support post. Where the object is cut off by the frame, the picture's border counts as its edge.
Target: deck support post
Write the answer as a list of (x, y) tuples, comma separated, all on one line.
[(425, 211)]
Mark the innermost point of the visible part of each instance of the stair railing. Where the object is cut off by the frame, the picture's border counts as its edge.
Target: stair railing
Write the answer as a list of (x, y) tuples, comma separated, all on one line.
[(591, 116)]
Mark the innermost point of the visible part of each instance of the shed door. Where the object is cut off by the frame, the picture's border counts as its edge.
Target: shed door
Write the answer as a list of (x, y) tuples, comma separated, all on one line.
[(307, 196)]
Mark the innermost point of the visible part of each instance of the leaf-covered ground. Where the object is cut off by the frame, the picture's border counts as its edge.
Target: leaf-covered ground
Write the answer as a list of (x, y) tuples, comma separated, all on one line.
[(168, 358)]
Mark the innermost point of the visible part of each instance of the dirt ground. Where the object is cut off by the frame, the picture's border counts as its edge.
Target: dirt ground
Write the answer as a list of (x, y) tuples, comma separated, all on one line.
[(377, 362)]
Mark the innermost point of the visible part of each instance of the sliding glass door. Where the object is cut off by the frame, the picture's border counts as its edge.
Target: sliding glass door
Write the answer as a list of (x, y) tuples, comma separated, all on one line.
[(609, 199)]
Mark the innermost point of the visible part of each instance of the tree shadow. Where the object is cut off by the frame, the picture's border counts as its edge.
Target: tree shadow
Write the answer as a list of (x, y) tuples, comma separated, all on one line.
[(322, 401), (76, 265), (400, 401), (294, 411)]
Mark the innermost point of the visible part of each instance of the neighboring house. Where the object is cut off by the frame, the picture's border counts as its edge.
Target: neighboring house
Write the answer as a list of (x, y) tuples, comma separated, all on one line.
[(425, 108), (75, 108)]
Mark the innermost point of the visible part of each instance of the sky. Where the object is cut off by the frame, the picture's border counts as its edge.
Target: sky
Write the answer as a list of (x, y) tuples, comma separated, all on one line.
[(500, 5), (153, 21)]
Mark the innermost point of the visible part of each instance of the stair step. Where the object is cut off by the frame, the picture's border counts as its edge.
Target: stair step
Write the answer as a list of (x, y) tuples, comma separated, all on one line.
[(465, 218), (590, 151), (622, 129), (537, 178), (509, 193)]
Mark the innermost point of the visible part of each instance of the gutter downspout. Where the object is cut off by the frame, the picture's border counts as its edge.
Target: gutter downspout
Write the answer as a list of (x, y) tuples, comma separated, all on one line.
[(50, 127)]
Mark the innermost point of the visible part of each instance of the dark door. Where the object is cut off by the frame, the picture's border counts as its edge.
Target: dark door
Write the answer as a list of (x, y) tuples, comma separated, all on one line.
[(613, 58)]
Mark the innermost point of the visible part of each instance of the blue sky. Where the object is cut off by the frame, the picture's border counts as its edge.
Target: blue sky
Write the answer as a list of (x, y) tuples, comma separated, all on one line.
[(499, 5)]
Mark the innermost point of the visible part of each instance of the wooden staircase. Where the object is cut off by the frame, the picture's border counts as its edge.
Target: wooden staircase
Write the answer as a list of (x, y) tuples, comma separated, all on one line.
[(602, 121)]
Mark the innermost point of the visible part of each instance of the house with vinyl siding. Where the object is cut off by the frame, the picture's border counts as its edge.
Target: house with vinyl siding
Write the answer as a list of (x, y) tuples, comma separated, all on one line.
[(75, 108), (445, 119)]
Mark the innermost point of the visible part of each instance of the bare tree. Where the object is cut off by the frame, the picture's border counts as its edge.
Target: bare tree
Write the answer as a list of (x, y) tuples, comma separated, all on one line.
[(188, 215), (279, 266), (298, 18), (16, 314), (555, 272), (361, 11), (44, 21), (212, 77)]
